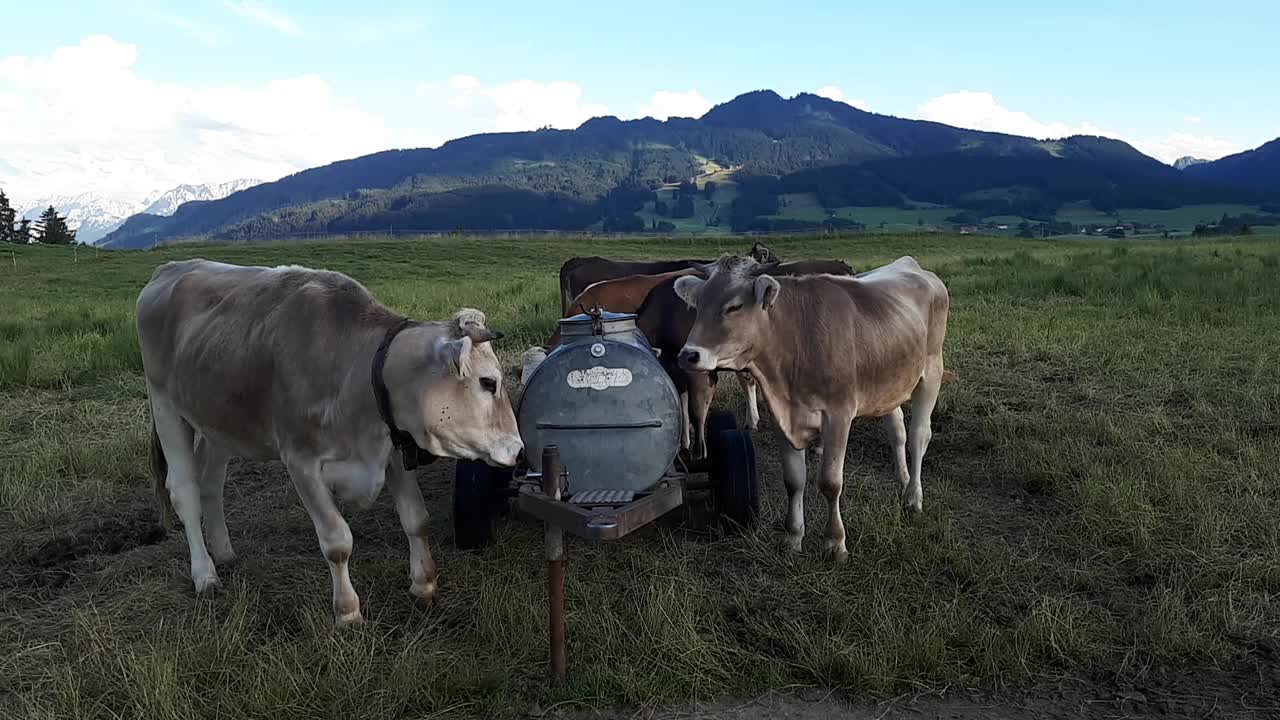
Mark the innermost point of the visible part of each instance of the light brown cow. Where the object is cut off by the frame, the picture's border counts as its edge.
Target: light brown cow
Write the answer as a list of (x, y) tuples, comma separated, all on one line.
[(825, 350), (307, 367)]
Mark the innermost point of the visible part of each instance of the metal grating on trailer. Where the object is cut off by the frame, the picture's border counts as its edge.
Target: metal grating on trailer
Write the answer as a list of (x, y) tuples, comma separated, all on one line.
[(603, 497)]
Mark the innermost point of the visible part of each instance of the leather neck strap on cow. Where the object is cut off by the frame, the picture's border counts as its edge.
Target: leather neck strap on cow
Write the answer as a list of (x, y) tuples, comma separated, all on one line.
[(410, 454)]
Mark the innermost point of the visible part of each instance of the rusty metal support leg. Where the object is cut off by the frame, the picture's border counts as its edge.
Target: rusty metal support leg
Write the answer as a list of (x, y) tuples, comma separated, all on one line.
[(555, 563)]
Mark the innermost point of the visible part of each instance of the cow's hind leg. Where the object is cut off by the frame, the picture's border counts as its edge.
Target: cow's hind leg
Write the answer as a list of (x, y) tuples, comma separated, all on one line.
[(413, 519), (334, 535), (793, 477), (212, 463), (177, 439), (835, 435), (922, 402)]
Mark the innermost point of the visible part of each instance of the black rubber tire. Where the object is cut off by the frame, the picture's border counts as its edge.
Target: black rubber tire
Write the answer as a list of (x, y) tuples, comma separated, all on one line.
[(473, 504), (502, 491), (717, 422), (734, 489)]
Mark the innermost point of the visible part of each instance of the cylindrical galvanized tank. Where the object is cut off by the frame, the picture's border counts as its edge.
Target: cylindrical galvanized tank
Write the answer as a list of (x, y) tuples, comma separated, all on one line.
[(605, 400)]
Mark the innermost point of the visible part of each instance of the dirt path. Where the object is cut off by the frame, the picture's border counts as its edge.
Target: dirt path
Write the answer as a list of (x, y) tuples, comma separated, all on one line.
[(1249, 692)]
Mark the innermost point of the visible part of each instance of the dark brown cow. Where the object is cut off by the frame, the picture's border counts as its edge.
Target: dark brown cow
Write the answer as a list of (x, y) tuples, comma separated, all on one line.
[(621, 295), (578, 273)]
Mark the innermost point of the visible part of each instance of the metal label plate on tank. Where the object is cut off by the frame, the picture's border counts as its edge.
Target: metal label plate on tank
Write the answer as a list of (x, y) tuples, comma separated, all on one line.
[(599, 378)]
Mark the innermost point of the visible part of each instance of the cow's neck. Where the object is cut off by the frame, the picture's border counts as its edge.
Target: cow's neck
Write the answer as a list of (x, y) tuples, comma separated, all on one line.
[(774, 366)]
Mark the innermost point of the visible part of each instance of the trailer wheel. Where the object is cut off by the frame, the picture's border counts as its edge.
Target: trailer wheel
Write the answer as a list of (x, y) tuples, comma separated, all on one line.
[(733, 478), (502, 491), (474, 493), (718, 421)]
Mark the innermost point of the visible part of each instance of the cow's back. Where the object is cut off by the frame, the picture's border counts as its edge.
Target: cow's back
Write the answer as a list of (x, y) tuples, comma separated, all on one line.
[(866, 336), (230, 346)]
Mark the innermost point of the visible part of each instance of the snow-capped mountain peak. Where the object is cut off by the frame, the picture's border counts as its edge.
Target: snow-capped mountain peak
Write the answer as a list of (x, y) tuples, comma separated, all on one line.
[(167, 203), (89, 214), (92, 216)]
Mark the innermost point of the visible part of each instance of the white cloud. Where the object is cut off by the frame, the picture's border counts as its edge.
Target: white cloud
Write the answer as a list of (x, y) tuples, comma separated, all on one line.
[(264, 15), (669, 103), (82, 119), (517, 105), (981, 111), (1180, 144), (831, 92)]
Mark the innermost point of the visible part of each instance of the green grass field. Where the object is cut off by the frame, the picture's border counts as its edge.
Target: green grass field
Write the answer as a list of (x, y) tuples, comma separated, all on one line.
[(1180, 218), (1102, 505)]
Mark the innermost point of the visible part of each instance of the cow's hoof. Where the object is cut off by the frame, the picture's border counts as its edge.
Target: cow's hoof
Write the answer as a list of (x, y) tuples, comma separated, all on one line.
[(225, 559), (791, 544), (424, 591), (836, 554), (912, 510), (349, 620), (207, 583)]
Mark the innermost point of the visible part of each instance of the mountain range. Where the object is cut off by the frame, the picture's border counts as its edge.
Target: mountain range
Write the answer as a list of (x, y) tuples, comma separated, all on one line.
[(1257, 169), (93, 216), (760, 150)]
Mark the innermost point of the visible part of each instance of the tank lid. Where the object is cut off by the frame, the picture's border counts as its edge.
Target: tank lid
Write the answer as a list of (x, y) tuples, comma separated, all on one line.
[(605, 316)]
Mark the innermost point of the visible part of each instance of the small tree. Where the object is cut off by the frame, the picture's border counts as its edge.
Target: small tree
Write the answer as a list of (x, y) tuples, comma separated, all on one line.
[(51, 229), (22, 233), (7, 217)]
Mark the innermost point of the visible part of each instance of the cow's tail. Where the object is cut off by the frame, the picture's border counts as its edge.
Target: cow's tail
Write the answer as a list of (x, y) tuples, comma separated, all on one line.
[(160, 471)]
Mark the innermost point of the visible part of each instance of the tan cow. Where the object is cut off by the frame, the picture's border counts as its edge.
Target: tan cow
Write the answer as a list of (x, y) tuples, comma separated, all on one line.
[(307, 367), (825, 350)]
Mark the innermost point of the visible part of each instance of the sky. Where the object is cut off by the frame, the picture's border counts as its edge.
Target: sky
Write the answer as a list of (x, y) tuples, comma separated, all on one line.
[(127, 98)]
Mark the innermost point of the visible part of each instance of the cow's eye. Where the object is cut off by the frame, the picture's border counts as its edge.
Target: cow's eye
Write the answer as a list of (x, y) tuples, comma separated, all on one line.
[(733, 309), (490, 385)]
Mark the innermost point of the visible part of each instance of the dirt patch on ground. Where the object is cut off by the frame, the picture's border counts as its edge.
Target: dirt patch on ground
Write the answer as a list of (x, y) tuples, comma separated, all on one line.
[(51, 562)]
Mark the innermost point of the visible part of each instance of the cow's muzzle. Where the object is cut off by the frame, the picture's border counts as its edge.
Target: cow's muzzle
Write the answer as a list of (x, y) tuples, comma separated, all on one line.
[(695, 358)]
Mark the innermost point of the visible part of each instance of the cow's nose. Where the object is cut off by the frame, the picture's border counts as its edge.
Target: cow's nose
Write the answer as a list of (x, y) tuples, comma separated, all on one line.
[(689, 357), (520, 457)]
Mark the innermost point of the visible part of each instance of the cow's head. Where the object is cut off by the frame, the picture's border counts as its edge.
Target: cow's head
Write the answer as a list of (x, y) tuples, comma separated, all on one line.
[(731, 304), (459, 407), (763, 254)]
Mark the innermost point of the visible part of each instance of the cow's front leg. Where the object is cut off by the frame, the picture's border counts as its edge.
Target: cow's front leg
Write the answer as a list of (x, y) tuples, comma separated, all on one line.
[(333, 533), (793, 476), (748, 383), (702, 390), (835, 438), (413, 519)]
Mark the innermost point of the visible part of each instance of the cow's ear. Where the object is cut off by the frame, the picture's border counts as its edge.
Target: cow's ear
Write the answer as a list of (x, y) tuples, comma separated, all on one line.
[(767, 290), (455, 353), (687, 287)]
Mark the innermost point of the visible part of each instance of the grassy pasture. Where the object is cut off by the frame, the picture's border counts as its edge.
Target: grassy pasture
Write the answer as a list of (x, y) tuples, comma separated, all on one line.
[(1180, 218), (1102, 501)]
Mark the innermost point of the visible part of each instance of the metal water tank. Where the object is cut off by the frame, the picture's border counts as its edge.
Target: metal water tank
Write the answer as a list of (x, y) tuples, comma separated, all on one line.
[(605, 400)]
